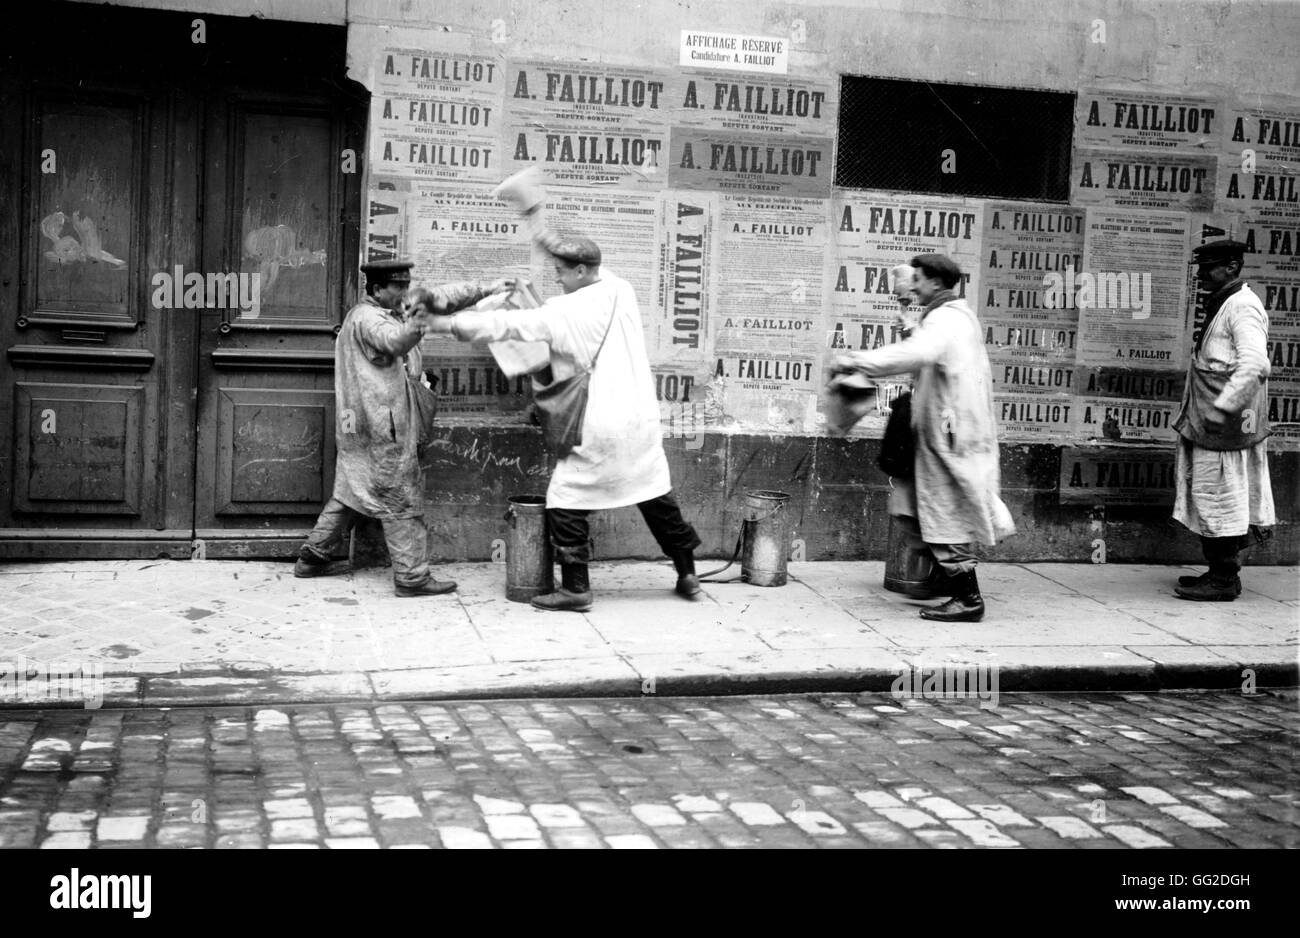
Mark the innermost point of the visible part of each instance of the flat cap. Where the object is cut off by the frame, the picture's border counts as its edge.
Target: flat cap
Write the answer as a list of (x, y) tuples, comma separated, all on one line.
[(575, 249), (387, 270), (1217, 251)]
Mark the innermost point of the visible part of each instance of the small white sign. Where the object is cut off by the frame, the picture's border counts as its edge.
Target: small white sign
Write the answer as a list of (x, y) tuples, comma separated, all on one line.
[(734, 51)]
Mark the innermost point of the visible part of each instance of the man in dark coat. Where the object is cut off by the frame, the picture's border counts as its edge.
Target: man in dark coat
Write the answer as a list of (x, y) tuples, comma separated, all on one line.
[(378, 472)]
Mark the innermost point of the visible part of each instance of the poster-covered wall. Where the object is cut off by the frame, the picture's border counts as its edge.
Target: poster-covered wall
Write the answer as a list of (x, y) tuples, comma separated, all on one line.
[(711, 191)]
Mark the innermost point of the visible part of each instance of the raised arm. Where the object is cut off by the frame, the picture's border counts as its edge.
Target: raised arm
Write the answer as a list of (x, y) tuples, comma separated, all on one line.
[(526, 325)]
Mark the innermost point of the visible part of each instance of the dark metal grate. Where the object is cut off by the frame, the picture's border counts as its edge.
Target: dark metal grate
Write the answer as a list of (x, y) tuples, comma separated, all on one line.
[(1005, 142)]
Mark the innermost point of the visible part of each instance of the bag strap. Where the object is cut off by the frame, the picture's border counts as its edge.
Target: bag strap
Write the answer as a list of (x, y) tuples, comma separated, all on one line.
[(606, 336)]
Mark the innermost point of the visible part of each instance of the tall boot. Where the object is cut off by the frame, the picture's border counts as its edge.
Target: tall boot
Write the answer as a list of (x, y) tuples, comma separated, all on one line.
[(966, 605), (1221, 583), (1205, 580), (574, 595), (688, 584)]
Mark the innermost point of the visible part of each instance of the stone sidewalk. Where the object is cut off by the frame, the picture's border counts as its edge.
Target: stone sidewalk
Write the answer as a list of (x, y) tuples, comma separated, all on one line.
[(169, 633)]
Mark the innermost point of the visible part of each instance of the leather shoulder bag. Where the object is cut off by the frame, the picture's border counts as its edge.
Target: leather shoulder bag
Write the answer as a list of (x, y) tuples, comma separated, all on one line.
[(561, 406), (898, 448)]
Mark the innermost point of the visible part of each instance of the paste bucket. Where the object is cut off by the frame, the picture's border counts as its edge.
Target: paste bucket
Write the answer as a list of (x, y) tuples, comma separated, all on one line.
[(529, 566), (766, 538), (904, 568)]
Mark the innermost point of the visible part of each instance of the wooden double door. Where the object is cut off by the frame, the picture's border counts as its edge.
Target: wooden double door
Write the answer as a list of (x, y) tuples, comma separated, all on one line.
[(179, 238)]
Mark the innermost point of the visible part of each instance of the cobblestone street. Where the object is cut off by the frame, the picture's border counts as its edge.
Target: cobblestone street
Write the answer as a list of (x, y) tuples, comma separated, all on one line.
[(1095, 770)]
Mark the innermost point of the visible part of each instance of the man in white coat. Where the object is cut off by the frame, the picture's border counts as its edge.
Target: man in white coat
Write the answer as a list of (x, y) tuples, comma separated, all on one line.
[(1222, 486), (621, 459), (956, 486)]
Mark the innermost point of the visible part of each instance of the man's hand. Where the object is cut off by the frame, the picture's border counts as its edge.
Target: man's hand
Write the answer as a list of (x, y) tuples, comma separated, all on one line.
[(504, 285), (435, 325), (842, 364), (420, 318), (421, 300), (549, 240), (1216, 420)]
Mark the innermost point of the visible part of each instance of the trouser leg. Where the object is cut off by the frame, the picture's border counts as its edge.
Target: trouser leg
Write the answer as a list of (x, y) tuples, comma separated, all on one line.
[(408, 547), (333, 523), (570, 534), (571, 541), (1221, 554), (671, 531), (955, 559)]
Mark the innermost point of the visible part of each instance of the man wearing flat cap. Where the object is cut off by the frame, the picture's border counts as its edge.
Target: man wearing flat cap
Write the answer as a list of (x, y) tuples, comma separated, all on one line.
[(1222, 487), (620, 460), (377, 473), (954, 500)]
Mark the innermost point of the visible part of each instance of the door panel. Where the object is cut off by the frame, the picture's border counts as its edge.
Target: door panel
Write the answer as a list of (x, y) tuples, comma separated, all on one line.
[(275, 451), (82, 452), (84, 393), (286, 166), (265, 453), (87, 213)]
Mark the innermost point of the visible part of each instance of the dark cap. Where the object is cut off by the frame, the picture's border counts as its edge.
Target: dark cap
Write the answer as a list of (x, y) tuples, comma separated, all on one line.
[(938, 266), (575, 249), (387, 271), (1218, 251)]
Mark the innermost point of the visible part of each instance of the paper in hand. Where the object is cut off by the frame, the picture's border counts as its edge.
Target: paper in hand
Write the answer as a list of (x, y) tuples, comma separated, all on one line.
[(516, 358)]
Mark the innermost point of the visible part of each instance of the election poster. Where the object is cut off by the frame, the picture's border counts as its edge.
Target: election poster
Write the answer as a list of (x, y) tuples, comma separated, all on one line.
[(728, 103), (595, 126), (1147, 120), (765, 164), (386, 219), (437, 116), (1262, 137), (1030, 254), (1096, 475), (1132, 293), (770, 297), (680, 320), (1143, 179)]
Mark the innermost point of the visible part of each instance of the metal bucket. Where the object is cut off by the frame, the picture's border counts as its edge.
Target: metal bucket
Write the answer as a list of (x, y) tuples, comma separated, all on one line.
[(903, 567), (529, 567), (766, 539)]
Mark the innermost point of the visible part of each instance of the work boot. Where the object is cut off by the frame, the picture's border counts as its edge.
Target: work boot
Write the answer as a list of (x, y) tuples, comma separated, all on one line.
[(429, 587), (574, 595), (1205, 577), (308, 568), (1211, 589), (688, 584), (966, 605), (935, 584)]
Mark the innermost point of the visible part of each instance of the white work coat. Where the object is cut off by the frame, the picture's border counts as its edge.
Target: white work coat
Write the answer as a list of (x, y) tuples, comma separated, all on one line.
[(621, 460), (957, 474)]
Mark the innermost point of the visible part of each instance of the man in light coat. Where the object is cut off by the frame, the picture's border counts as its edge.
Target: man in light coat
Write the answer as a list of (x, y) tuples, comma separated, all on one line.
[(956, 486), (1222, 486), (377, 473), (621, 460)]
